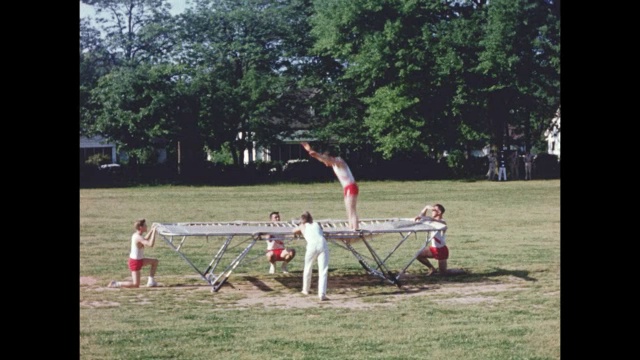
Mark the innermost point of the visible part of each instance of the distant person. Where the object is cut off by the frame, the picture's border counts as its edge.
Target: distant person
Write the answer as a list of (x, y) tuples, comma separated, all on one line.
[(276, 250), (502, 162), (317, 248), (137, 260), (348, 182), (514, 162), (528, 165), (437, 246), (491, 158)]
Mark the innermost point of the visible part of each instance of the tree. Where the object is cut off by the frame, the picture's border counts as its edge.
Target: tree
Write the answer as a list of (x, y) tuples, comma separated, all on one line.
[(249, 64), (392, 53), (129, 90), (139, 108), (436, 76), (520, 63), (136, 31), (95, 62)]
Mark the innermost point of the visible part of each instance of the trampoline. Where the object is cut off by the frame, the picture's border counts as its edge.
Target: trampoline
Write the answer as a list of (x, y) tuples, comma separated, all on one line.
[(177, 235)]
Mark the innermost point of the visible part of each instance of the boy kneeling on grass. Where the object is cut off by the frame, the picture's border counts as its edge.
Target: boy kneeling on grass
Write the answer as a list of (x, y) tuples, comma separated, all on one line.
[(437, 247), (137, 259)]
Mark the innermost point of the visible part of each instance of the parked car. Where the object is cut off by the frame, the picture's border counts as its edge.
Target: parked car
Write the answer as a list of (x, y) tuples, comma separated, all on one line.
[(109, 166)]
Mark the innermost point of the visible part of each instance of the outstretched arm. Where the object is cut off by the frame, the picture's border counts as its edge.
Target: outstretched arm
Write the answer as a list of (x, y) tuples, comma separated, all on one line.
[(327, 160)]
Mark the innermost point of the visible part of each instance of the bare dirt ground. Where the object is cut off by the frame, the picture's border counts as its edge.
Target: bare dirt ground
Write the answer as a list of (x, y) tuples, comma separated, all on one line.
[(353, 291)]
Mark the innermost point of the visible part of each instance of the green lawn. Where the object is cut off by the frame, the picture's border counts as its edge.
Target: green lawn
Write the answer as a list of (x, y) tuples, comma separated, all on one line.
[(506, 235)]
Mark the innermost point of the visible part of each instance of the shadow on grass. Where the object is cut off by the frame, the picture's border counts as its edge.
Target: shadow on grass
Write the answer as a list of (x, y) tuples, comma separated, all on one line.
[(479, 277), (409, 282), (466, 276), (334, 281), (194, 285), (522, 274), (258, 283), (366, 285)]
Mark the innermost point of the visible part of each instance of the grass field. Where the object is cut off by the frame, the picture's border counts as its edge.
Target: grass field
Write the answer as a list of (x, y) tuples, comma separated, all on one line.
[(505, 235)]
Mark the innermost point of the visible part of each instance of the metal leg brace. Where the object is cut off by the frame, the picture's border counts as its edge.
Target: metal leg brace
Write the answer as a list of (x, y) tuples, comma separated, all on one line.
[(380, 271), (222, 278), (169, 241), (431, 235)]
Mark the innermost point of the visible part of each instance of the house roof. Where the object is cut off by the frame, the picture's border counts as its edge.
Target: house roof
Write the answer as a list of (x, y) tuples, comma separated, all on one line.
[(94, 142), (297, 136)]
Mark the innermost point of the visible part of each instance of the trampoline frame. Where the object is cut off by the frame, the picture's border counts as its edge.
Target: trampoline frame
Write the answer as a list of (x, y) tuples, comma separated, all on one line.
[(335, 231)]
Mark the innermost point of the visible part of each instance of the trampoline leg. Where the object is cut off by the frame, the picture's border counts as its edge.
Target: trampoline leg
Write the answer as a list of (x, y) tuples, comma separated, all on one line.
[(370, 269), (389, 275), (184, 257), (413, 259), (227, 272), (214, 263), (215, 288), (363, 264)]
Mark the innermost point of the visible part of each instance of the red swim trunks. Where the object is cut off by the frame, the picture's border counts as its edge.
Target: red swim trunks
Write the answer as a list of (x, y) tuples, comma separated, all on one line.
[(440, 253), (351, 189), (278, 254), (135, 265)]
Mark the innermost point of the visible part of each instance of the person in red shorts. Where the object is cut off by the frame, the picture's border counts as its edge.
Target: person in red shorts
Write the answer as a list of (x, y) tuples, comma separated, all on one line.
[(348, 182), (437, 247), (276, 250), (137, 260)]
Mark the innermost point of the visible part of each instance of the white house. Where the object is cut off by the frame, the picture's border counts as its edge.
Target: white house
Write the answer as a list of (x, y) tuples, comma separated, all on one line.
[(289, 149), (96, 145), (552, 134)]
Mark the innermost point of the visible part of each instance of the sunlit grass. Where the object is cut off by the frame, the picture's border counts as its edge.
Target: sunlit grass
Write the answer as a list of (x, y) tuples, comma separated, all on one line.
[(505, 234)]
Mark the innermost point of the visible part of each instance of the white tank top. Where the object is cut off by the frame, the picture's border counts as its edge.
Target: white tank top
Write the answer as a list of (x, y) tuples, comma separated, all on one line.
[(136, 252), (275, 244), (314, 235), (343, 173), (439, 240)]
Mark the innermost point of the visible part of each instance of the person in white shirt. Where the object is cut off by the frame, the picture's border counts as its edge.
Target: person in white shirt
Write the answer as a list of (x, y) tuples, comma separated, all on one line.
[(137, 260), (437, 247), (348, 182), (316, 249)]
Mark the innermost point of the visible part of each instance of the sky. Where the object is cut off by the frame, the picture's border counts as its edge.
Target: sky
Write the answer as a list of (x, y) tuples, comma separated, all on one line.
[(177, 6)]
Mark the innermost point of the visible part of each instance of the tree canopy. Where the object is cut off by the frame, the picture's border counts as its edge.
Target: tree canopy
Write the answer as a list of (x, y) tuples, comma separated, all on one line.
[(394, 77)]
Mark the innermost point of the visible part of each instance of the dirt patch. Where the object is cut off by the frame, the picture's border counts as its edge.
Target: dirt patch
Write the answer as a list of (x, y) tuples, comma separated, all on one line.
[(470, 300), (87, 280), (351, 292), (97, 304)]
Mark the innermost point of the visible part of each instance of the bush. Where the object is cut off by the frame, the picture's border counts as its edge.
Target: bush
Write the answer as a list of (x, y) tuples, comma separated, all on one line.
[(98, 159), (417, 168), (303, 170)]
